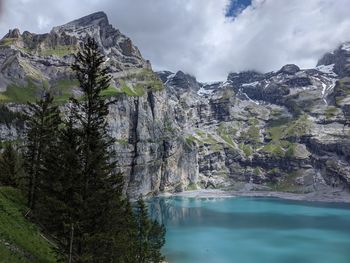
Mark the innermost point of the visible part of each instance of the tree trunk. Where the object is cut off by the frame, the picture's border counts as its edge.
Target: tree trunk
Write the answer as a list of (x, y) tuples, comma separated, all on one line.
[(71, 243)]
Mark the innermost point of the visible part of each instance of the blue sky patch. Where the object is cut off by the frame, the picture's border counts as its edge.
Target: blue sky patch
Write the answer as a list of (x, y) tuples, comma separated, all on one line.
[(236, 7)]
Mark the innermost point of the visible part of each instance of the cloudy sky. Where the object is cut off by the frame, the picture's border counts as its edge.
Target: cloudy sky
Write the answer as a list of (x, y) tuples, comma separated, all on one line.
[(207, 38)]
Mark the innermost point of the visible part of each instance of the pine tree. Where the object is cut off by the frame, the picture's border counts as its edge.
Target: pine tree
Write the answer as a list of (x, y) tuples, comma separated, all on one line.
[(150, 236), (143, 229), (156, 241), (99, 225), (42, 125), (77, 195), (60, 189), (9, 166)]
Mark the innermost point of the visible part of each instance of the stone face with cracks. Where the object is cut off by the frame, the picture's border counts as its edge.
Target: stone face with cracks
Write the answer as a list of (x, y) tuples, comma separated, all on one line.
[(279, 131)]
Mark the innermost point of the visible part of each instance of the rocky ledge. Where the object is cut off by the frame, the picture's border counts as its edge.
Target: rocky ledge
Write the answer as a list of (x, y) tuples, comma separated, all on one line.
[(283, 131)]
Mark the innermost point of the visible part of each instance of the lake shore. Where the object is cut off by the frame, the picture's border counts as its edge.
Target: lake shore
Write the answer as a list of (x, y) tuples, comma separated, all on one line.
[(336, 197)]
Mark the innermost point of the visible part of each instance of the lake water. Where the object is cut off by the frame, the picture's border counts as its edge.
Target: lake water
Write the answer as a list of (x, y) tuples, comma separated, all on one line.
[(253, 230)]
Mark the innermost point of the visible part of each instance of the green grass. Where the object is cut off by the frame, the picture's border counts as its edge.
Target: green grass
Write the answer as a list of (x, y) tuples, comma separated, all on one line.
[(122, 141), (246, 148), (227, 134), (128, 89), (257, 171), (296, 128), (192, 186), (110, 92), (148, 79), (7, 41), (274, 148), (32, 72), (59, 51), (190, 140), (62, 89), (24, 242), (287, 184), (21, 94), (203, 138), (279, 135), (330, 112), (136, 84), (251, 135)]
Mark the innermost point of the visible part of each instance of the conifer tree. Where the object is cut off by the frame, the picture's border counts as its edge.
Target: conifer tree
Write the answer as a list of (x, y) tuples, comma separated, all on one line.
[(42, 124), (156, 240), (76, 193), (143, 229), (103, 209), (60, 197), (150, 236), (9, 166)]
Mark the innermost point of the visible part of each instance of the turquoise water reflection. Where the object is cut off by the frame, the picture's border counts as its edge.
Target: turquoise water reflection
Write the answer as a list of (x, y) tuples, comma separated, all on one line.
[(253, 230)]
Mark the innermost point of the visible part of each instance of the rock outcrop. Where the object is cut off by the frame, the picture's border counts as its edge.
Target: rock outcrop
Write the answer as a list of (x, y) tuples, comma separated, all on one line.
[(286, 130)]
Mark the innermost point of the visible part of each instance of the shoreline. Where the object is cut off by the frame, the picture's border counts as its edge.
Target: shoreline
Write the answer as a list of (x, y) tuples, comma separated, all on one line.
[(334, 197)]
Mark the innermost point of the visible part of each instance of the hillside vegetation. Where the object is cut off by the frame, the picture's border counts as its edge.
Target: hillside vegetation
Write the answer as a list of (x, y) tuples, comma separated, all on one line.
[(20, 240)]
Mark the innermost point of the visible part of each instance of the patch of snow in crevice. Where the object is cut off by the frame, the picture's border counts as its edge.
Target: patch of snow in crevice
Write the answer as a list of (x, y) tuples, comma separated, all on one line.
[(210, 83), (331, 87), (225, 84), (326, 82), (245, 94), (324, 87), (327, 69), (346, 46), (253, 84), (169, 78), (203, 91), (327, 88)]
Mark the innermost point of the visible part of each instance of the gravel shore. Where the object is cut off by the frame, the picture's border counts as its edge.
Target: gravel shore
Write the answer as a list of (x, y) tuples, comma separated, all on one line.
[(337, 196)]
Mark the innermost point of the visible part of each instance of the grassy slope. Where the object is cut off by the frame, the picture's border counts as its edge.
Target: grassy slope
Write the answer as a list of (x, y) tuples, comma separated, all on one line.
[(20, 240)]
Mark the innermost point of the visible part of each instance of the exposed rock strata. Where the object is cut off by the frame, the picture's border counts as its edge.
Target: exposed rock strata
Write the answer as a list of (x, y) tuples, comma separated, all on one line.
[(280, 131)]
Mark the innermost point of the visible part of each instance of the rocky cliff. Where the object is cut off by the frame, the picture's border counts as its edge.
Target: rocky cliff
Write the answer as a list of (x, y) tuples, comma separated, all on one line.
[(285, 130)]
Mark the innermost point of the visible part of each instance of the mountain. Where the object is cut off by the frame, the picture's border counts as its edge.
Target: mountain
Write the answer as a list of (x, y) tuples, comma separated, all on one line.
[(45, 59), (280, 131)]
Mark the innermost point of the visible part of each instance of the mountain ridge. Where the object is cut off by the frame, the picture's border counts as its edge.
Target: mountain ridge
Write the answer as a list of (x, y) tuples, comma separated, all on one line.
[(285, 130)]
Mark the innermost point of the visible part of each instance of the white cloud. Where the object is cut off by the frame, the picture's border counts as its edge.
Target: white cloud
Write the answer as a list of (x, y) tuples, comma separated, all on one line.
[(195, 36)]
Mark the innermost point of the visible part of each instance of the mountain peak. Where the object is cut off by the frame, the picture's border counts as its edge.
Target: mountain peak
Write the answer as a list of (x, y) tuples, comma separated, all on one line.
[(92, 19), (98, 19)]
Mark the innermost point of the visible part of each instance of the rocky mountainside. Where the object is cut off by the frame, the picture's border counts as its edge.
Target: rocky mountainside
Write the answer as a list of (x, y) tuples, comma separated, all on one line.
[(281, 131)]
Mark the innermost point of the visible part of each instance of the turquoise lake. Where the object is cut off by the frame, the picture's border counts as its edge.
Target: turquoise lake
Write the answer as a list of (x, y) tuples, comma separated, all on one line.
[(253, 230)]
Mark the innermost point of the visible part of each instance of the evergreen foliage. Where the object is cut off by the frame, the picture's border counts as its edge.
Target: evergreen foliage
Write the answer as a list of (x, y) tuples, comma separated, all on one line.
[(42, 123), (9, 167), (102, 205), (150, 236), (74, 190)]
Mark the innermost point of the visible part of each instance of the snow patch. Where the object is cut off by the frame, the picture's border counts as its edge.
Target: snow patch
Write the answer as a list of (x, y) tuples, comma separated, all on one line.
[(327, 69), (253, 84), (210, 83), (225, 84), (245, 94), (168, 78), (203, 91), (346, 46)]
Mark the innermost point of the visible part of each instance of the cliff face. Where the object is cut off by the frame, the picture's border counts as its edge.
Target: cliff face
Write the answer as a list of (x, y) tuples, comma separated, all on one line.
[(281, 130)]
